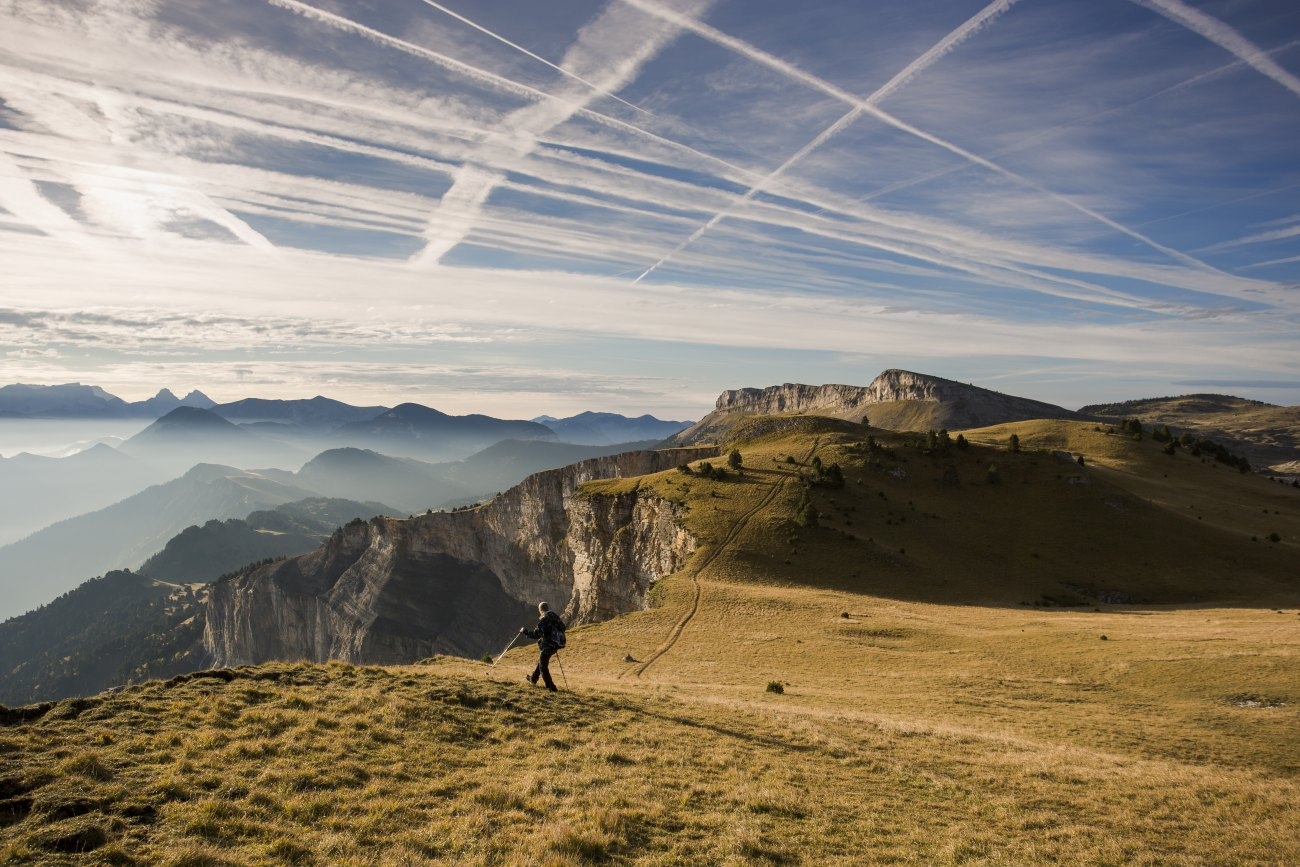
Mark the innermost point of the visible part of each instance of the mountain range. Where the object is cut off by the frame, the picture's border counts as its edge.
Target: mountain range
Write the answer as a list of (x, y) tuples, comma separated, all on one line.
[(607, 428), (55, 559), (215, 502), (41, 490), (56, 555), (321, 414), (74, 400)]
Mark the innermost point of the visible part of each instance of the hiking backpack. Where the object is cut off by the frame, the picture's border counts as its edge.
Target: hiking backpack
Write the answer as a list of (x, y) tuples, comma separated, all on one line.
[(553, 631)]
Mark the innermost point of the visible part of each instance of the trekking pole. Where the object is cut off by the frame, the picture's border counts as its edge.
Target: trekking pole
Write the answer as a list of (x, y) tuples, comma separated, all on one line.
[(562, 674), (513, 639)]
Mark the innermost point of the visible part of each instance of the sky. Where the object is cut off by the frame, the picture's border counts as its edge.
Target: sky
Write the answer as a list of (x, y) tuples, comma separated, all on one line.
[(521, 207)]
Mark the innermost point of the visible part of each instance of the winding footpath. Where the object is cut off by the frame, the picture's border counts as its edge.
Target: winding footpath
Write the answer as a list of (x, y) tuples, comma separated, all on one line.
[(707, 560)]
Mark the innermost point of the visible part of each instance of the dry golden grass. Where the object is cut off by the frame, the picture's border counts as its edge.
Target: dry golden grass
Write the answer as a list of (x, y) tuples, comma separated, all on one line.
[(927, 717)]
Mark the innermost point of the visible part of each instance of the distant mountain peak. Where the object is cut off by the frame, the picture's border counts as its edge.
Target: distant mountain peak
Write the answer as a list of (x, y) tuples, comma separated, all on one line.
[(414, 411), (193, 416), (607, 428)]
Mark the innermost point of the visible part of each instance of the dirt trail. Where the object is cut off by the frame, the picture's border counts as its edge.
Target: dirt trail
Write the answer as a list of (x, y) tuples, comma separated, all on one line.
[(707, 560)]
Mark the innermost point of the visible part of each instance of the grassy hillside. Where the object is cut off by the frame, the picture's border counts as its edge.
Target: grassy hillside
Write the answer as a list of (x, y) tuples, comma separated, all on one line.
[(117, 628), (1268, 435), (870, 690)]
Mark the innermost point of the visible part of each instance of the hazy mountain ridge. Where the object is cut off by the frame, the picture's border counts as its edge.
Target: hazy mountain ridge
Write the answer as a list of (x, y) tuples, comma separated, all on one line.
[(40, 490), (74, 400), (416, 431), (57, 558), (189, 435), (204, 553), (128, 625), (316, 412), (607, 428), (121, 533)]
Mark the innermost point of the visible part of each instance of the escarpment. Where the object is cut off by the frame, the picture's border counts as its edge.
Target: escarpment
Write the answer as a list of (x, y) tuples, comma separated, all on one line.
[(392, 591), (896, 400)]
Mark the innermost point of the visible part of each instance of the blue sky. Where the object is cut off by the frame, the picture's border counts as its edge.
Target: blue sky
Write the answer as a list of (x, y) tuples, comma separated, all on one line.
[(556, 205)]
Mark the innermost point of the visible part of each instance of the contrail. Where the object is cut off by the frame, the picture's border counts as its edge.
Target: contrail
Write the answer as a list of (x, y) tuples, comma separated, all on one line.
[(537, 57), (450, 63), (825, 134), (1261, 238), (1225, 37), (501, 82), (757, 55), (472, 184), (1053, 132), (936, 52), (1287, 261), (1259, 195), (1055, 196)]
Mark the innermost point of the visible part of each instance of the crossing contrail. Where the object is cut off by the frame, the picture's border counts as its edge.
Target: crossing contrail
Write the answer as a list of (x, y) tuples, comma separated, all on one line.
[(518, 133), (757, 55), (1057, 130), (462, 19), (501, 82), (934, 53)]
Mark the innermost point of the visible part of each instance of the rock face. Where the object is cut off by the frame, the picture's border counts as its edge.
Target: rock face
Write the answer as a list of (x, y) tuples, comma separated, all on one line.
[(391, 591), (828, 399), (896, 399)]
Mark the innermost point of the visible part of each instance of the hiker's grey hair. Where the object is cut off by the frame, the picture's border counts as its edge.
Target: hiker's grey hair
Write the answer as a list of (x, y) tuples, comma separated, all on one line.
[(543, 607)]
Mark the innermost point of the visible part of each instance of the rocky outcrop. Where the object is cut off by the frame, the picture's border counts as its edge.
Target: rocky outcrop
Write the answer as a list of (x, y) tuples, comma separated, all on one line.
[(791, 397), (390, 591), (896, 399)]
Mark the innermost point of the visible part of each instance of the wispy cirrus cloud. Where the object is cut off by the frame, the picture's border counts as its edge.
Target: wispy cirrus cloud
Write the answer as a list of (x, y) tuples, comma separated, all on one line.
[(1029, 176)]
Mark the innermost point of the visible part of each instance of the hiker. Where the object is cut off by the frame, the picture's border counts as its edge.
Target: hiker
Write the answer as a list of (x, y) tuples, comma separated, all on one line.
[(549, 633)]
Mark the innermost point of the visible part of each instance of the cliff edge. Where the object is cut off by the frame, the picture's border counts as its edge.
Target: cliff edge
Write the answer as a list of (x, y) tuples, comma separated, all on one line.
[(393, 591), (895, 400)]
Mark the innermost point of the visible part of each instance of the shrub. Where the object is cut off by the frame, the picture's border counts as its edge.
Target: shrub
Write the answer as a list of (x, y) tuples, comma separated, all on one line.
[(806, 515), (735, 461), (776, 687), (1014, 443)]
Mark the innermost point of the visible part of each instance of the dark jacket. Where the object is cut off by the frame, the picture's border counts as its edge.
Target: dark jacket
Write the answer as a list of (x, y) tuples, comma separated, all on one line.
[(542, 630)]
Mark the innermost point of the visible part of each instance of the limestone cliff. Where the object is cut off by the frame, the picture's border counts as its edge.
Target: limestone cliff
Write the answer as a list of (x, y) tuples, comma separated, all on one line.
[(389, 591), (896, 399)]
